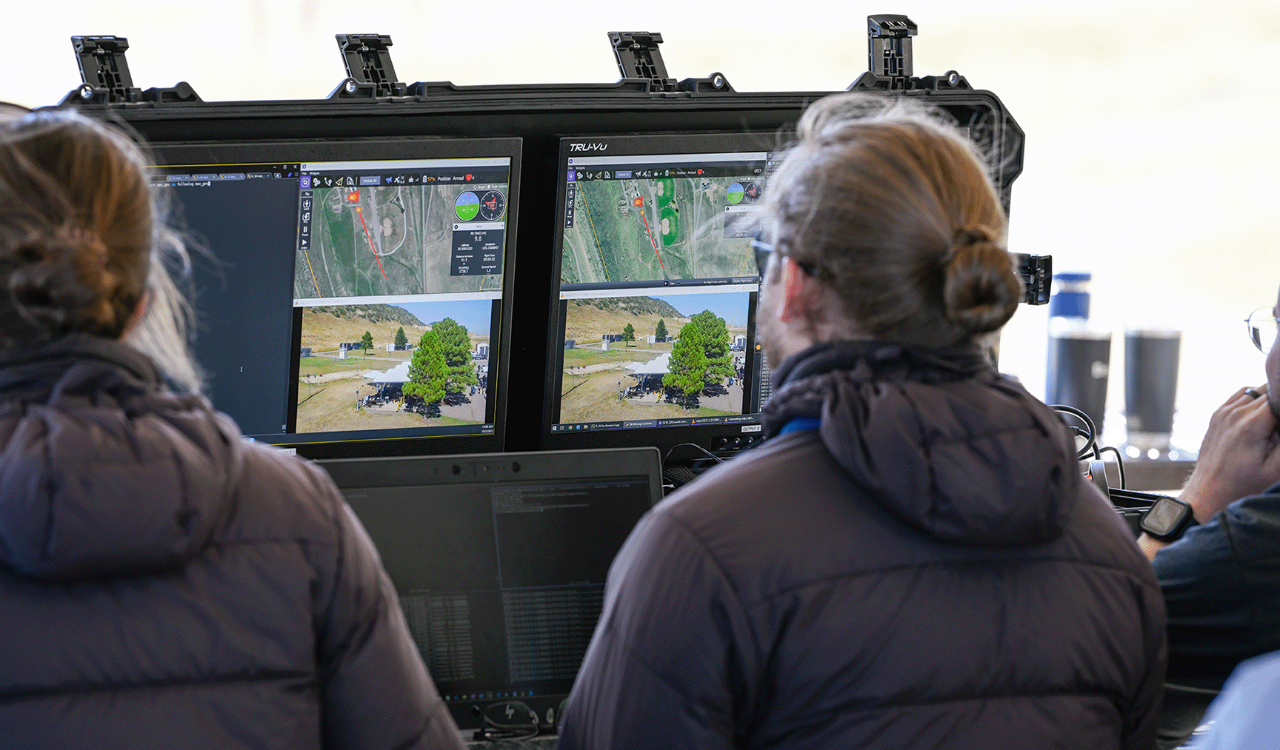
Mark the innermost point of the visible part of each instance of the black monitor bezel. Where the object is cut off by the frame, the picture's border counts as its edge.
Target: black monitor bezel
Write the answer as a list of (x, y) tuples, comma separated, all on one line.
[(713, 438), (288, 151), (541, 114)]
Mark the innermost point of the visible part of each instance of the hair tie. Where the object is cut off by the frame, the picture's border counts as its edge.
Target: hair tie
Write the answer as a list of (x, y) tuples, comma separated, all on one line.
[(967, 236), (963, 239)]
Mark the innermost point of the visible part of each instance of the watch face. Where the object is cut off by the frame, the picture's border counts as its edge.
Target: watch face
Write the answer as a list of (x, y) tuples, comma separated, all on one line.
[(1164, 516)]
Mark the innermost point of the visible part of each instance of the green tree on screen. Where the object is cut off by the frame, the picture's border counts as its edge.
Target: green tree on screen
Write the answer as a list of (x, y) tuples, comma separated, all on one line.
[(366, 342), (629, 332), (455, 345), (687, 372), (400, 339), (427, 370), (715, 341), (660, 333)]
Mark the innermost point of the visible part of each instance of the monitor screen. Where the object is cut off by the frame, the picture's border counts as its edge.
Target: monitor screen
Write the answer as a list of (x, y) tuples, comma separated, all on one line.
[(500, 560), (355, 300), (655, 290)]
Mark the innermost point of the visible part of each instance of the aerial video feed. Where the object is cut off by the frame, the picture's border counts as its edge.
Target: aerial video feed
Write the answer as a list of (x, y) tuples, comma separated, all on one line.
[(658, 228), (654, 357), (388, 366), (399, 239)]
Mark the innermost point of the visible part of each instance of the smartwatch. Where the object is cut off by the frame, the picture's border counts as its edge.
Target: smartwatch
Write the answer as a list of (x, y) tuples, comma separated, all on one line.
[(1168, 519)]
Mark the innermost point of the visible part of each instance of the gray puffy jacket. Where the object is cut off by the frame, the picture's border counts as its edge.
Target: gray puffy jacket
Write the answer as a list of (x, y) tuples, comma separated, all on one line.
[(920, 566), (165, 584)]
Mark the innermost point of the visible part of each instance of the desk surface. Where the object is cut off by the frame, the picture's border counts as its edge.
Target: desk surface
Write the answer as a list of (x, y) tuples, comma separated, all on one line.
[(1145, 475)]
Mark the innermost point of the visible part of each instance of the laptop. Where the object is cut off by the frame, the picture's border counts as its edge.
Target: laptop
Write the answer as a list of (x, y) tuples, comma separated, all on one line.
[(500, 561)]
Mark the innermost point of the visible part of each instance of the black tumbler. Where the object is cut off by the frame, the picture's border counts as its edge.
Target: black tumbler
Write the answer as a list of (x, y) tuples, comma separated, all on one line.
[(1079, 362), (1150, 385)]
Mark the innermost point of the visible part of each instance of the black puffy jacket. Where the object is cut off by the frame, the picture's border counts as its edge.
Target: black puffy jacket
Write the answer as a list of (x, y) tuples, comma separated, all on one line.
[(165, 584), (925, 569)]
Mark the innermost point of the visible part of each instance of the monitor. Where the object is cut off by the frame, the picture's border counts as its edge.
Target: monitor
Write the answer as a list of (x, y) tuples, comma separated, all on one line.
[(654, 292), (500, 561), (354, 299)]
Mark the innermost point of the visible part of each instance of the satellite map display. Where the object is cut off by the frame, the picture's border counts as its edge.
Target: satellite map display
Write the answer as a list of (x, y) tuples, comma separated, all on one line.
[(400, 239), (655, 229)]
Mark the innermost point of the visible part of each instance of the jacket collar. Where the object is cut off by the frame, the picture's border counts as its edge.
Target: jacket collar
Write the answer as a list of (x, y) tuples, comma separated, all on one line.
[(23, 368), (865, 360), (936, 437)]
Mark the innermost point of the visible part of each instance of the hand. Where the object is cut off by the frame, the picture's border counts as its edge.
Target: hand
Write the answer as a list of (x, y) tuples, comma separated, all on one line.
[(1239, 455)]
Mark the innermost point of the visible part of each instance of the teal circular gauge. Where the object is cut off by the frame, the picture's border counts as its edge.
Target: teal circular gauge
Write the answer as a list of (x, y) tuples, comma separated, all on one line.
[(467, 206), (734, 193)]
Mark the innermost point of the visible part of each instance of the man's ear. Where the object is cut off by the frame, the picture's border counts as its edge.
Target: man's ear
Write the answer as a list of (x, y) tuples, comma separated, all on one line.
[(138, 312), (798, 292)]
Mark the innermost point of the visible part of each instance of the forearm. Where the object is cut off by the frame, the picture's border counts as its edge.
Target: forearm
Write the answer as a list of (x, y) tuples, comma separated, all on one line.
[(1150, 546), (1192, 497)]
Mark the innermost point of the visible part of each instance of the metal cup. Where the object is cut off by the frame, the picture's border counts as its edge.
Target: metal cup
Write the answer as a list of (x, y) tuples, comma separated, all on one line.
[(1079, 363), (1150, 385)]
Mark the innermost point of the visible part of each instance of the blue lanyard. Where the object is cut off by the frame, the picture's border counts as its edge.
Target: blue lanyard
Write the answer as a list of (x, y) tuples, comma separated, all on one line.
[(800, 424)]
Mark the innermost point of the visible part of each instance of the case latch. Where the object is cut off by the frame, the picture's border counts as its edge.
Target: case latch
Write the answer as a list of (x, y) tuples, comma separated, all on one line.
[(103, 69), (889, 44), (638, 56), (370, 73)]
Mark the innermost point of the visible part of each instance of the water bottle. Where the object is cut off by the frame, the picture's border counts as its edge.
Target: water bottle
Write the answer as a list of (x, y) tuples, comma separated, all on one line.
[(1079, 353)]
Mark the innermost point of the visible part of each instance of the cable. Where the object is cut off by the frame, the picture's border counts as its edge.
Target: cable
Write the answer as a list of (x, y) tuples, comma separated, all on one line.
[(1119, 462), (1088, 443), (1090, 434), (681, 473), (708, 453)]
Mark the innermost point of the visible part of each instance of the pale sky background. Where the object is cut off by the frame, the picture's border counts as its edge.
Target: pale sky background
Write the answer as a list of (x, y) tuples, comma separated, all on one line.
[(732, 306), (1150, 156)]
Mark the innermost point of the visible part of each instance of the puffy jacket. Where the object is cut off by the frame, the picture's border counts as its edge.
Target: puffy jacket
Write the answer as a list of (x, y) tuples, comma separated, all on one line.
[(924, 569), (166, 584)]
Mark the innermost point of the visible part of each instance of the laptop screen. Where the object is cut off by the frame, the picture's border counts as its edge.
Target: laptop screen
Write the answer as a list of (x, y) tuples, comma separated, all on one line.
[(500, 567)]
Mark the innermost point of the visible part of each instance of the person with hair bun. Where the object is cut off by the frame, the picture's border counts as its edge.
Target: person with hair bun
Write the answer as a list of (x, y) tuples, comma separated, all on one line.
[(911, 559), (164, 582)]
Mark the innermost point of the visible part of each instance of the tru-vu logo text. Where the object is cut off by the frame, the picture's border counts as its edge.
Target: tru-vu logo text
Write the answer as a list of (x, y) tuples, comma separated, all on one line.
[(588, 146)]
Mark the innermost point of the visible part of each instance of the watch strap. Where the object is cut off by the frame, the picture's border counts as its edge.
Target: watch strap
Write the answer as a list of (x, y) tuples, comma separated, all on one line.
[(1187, 520)]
